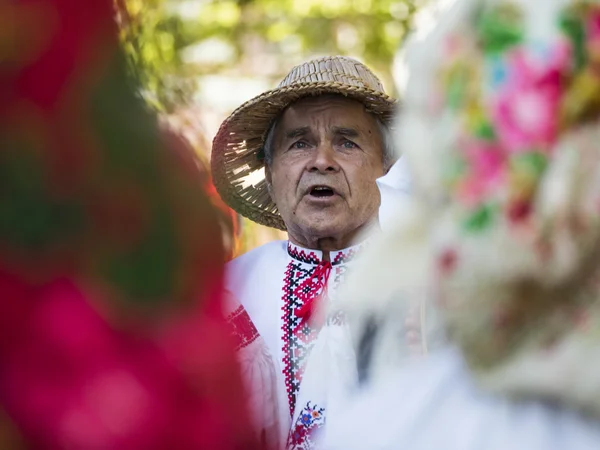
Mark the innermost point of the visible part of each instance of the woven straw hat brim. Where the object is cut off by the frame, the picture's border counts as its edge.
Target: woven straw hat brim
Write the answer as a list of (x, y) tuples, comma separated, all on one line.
[(241, 137)]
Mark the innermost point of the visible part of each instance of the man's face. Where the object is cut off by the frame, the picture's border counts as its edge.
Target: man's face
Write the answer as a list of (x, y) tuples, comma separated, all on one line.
[(327, 154)]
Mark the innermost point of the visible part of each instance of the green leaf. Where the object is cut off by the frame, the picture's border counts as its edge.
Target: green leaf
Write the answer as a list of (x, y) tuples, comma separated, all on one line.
[(31, 220), (485, 131), (457, 84), (500, 28), (147, 274), (480, 219), (128, 134), (572, 25), (130, 147), (533, 163)]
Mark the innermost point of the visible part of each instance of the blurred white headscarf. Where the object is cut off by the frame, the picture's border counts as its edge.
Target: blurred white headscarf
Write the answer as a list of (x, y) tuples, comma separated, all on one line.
[(497, 246)]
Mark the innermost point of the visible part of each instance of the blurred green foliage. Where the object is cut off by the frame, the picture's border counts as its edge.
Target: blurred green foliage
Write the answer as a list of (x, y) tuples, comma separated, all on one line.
[(157, 33), (172, 44), (153, 39)]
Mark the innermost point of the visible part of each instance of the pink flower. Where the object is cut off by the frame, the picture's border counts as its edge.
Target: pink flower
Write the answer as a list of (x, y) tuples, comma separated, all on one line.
[(525, 111), (519, 210), (593, 27), (487, 161), (486, 171)]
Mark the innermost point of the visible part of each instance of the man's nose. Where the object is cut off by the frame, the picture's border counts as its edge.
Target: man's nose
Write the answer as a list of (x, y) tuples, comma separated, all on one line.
[(324, 159)]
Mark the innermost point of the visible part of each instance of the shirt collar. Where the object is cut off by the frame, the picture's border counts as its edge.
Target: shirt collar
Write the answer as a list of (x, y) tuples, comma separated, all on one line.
[(310, 256)]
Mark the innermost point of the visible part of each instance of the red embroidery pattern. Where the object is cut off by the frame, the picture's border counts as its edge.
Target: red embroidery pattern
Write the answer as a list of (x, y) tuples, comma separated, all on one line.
[(242, 328), (306, 278), (346, 256), (313, 290), (298, 336), (302, 255)]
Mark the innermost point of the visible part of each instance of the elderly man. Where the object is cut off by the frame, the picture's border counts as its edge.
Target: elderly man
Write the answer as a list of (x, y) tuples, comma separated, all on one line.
[(303, 158)]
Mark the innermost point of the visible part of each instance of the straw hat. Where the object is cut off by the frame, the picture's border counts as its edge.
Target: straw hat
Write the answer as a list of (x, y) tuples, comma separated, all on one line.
[(237, 154)]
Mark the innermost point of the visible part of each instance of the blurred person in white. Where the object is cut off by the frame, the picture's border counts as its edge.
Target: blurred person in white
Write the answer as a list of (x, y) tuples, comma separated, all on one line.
[(394, 189), (303, 158), (498, 248)]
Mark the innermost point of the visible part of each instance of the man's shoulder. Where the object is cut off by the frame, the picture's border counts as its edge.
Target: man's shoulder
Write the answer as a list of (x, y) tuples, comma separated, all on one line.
[(269, 253), (253, 276), (273, 248)]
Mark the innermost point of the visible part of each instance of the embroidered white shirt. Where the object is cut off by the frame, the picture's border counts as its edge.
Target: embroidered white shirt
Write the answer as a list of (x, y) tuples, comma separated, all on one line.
[(273, 283)]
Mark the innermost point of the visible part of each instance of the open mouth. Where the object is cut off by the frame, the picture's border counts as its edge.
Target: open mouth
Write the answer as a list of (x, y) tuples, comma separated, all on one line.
[(321, 191)]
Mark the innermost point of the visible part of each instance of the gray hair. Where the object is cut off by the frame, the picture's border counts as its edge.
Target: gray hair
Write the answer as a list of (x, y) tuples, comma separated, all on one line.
[(388, 150)]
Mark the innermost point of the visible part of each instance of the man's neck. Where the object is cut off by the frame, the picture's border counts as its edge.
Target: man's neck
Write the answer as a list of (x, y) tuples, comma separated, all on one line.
[(328, 244)]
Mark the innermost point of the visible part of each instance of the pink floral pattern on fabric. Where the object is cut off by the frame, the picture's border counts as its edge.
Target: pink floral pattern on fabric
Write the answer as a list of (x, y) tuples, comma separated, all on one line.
[(516, 238), (524, 110), (532, 91)]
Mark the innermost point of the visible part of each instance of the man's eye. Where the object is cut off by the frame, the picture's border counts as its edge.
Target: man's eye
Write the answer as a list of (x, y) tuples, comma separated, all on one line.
[(299, 144), (349, 144)]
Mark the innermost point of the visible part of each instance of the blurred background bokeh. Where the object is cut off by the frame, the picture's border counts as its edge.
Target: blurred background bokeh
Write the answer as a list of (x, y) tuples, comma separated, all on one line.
[(198, 60)]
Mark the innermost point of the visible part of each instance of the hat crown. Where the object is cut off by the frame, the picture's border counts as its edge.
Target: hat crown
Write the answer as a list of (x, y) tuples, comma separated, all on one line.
[(338, 69)]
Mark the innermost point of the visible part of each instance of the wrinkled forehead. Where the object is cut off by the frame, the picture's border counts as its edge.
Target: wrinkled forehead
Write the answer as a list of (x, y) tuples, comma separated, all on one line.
[(325, 112)]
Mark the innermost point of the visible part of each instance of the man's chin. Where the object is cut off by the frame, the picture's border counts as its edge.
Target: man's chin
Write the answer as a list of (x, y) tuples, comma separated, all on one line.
[(325, 225)]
